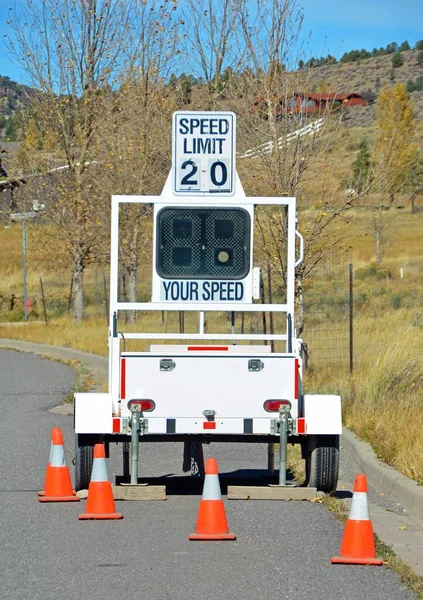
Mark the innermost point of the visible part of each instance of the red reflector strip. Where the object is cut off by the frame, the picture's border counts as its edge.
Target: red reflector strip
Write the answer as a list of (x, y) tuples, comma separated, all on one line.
[(116, 425), (297, 377), (215, 348), (209, 425), (123, 379), (301, 425)]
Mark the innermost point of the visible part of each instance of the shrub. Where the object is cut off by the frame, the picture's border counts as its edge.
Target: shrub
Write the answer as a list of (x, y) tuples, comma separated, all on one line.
[(361, 299), (374, 270), (396, 301), (397, 60)]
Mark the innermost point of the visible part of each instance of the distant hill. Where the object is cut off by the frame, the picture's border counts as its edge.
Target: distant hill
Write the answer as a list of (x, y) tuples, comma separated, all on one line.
[(368, 76), (14, 98)]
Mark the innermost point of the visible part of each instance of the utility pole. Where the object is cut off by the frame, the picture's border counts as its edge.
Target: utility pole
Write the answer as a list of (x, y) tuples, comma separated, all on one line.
[(23, 217), (24, 246)]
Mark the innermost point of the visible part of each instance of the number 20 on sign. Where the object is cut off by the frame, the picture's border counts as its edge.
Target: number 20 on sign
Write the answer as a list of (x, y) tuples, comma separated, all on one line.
[(204, 147)]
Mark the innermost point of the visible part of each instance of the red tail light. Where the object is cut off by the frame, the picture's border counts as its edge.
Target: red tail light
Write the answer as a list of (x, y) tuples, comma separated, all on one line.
[(273, 405), (145, 405)]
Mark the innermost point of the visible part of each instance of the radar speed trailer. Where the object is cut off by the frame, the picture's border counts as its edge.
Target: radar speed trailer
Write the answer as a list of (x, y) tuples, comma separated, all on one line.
[(214, 383)]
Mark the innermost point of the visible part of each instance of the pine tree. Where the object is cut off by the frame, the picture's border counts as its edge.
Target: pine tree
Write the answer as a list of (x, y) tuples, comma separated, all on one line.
[(361, 167), (397, 60)]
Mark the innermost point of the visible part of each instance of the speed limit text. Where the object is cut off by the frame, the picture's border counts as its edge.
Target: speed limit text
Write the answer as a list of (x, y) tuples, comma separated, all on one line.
[(203, 127)]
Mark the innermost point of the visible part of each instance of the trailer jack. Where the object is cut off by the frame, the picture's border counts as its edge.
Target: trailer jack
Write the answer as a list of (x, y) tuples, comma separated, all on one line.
[(135, 408), (283, 441)]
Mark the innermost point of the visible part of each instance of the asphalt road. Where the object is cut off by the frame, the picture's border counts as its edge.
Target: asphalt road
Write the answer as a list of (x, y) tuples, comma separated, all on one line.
[(283, 550)]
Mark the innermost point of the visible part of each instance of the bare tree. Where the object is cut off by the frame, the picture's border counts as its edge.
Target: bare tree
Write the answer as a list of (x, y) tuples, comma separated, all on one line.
[(72, 52), (280, 139), (210, 33), (137, 133)]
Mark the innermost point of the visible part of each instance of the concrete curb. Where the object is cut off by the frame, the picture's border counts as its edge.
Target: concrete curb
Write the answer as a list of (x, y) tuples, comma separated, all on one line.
[(394, 485), (98, 365)]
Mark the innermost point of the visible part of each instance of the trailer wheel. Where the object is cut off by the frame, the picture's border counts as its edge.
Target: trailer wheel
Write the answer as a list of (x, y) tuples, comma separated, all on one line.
[(84, 452), (322, 462)]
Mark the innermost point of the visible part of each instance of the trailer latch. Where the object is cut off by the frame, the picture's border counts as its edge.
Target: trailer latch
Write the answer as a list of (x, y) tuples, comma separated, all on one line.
[(255, 364), (167, 364), (209, 414)]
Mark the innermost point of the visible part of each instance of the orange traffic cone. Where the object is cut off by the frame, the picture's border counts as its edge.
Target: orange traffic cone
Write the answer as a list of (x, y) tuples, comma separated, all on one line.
[(100, 501), (58, 485), (358, 546), (211, 520)]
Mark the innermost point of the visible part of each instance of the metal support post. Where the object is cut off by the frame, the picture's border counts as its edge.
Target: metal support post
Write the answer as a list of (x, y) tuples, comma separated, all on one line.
[(135, 425), (283, 442), (125, 460), (271, 459)]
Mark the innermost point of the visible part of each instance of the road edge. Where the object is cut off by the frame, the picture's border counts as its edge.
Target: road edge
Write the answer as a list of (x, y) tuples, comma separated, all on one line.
[(394, 485)]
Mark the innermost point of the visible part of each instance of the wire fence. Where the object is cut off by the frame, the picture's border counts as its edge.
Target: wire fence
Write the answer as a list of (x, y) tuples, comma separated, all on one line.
[(328, 312), (327, 307)]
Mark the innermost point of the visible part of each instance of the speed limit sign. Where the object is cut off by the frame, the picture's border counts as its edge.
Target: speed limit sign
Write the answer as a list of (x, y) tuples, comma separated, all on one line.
[(204, 153)]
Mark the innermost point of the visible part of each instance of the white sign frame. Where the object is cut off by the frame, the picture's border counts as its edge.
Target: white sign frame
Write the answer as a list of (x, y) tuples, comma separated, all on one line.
[(205, 155)]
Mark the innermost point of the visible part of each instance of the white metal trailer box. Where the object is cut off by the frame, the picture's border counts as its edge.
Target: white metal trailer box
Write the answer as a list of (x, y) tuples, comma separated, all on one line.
[(195, 386)]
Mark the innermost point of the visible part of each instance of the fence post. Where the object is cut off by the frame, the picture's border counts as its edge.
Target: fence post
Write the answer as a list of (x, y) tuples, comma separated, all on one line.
[(351, 317), (70, 295), (44, 300)]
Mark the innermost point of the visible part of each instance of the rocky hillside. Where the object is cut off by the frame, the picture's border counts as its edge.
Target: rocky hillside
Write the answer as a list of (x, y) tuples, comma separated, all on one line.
[(369, 73), (368, 76), (13, 99)]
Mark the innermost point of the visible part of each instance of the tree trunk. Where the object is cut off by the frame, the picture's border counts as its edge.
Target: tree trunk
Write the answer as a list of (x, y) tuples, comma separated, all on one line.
[(132, 292), (378, 235), (413, 202), (78, 285), (299, 301)]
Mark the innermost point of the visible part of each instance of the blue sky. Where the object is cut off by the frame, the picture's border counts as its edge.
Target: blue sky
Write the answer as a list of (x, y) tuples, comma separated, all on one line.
[(333, 26), (338, 26)]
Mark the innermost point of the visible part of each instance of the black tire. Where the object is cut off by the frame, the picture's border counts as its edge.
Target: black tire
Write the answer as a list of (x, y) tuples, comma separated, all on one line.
[(83, 462), (322, 463)]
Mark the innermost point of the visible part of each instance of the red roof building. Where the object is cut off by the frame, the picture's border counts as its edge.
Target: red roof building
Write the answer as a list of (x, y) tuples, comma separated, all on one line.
[(310, 103)]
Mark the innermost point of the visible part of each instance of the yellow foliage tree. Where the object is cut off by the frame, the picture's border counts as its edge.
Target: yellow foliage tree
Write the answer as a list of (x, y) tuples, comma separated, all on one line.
[(32, 135), (394, 152), (394, 147)]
